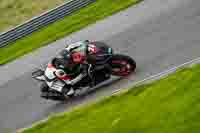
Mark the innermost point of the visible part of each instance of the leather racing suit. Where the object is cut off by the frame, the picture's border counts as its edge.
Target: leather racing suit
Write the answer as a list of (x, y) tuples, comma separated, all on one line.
[(72, 61)]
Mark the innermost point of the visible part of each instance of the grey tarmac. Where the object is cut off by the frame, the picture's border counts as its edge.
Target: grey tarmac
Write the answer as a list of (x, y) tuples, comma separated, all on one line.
[(158, 34)]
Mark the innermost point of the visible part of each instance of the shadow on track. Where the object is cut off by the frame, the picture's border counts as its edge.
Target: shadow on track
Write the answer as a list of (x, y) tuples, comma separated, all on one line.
[(91, 94)]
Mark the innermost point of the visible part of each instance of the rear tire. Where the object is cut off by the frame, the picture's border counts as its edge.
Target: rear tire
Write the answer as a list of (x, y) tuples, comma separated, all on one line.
[(122, 65)]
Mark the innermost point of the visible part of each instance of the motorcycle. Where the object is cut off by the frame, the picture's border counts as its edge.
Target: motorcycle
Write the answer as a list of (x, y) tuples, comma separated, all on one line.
[(105, 63)]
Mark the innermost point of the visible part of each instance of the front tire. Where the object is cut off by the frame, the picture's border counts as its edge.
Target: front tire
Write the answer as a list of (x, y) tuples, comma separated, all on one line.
[(46, 93), (122, 65), (44, 87)]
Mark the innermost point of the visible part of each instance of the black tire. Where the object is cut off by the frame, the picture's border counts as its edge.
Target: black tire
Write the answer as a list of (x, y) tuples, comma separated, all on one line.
[(49, 94), (44, 87), (115, 63), (52, 96)]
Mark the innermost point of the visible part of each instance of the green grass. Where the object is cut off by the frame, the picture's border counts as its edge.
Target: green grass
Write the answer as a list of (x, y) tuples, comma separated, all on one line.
[(14, 12), (169, 105), (59, 29)]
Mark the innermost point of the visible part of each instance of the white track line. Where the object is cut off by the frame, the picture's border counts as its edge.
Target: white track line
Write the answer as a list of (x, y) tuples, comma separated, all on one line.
[(162, 74)]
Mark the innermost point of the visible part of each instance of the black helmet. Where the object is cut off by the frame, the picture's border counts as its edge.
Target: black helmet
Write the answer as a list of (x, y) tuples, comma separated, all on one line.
[(65, 57), (66, 61), (64, 54)]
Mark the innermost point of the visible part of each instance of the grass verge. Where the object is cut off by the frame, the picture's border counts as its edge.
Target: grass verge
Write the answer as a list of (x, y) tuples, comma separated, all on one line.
[(14, 12), (90, 14), (169, 105)]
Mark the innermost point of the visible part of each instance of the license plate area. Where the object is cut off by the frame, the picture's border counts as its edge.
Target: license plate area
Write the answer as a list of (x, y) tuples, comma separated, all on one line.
[(57, 85)]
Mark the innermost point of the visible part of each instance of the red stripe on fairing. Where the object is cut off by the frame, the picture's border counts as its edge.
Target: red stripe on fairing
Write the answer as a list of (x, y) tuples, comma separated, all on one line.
[(50, 65), (64, 78)]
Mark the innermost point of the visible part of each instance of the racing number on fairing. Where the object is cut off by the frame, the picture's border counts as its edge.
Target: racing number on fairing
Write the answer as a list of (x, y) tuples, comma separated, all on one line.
[(92, 49)]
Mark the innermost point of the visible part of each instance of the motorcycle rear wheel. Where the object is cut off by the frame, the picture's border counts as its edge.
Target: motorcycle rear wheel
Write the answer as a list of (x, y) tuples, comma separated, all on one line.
[(122, 65)]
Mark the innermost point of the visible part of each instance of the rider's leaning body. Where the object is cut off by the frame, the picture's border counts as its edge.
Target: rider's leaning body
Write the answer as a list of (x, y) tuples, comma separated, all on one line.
[(73, 61)]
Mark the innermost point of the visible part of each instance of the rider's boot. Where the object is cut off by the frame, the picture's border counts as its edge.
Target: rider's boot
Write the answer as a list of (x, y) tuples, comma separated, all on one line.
[(68, 92), (71, 91)]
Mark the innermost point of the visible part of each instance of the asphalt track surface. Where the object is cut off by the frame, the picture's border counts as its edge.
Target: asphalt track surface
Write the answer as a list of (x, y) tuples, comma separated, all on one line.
[(158, 34)]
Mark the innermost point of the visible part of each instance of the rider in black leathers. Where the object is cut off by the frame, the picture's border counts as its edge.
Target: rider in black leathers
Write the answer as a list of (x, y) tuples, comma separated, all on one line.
[(73, 61)]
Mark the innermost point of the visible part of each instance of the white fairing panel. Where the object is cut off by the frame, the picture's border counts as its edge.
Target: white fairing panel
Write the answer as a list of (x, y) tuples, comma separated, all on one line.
[(42, 78), (49, 73), (55, 85)]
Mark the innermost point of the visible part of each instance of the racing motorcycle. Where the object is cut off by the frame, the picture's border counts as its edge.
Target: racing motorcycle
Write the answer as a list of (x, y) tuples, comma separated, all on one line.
[(105, 63)]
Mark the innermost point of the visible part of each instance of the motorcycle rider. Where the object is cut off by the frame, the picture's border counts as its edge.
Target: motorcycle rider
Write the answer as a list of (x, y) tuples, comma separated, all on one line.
[(73, 61)]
